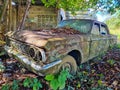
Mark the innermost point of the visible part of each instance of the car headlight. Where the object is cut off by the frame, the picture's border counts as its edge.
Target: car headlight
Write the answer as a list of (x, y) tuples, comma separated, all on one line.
[(37, 54), (32, 52)]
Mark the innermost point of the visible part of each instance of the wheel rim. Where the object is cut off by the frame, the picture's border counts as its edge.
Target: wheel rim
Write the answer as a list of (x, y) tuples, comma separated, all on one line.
[(66, 66), (68, 63)]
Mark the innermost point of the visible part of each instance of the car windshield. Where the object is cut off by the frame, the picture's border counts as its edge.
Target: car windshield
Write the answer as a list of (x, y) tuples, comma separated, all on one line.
[(83, 26)]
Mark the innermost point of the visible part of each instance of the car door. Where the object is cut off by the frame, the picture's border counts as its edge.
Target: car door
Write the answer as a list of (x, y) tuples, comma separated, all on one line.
[(104, 34), (110, 39), (94, 42), (99, 39)]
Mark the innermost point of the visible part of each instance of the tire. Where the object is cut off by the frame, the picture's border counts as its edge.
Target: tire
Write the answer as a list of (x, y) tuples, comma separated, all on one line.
[(69, 63)]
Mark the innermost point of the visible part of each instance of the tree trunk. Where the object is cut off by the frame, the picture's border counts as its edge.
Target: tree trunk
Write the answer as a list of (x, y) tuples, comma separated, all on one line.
[(4, 10), (21, 26)]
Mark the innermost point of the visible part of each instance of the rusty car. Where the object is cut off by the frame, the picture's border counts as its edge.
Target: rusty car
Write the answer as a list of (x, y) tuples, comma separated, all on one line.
[(71, 43)]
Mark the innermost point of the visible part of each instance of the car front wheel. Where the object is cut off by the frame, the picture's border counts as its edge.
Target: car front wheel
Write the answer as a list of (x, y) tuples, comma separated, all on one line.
[(68, 63)]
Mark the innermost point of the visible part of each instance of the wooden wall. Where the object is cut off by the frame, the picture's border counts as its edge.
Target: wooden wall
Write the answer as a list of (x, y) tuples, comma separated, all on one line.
[(38, 17), (41, 17)]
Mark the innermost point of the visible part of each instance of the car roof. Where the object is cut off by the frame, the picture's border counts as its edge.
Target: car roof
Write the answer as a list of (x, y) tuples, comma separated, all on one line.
[(86, 20)]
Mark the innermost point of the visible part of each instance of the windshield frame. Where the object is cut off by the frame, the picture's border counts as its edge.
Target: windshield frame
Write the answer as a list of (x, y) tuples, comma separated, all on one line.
[(75, 20)]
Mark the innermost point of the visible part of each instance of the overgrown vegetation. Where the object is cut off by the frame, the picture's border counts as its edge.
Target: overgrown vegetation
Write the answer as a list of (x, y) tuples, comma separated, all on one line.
[(33, 83), (116, 32), (114, 24), (73, 5), (58, 81), (29, 83)]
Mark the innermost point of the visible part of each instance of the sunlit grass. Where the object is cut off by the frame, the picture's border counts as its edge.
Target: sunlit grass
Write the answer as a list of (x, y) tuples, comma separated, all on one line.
[(116, 32)]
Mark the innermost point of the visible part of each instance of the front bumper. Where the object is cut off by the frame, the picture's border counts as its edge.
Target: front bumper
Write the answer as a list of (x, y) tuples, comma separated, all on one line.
[(32, 65)]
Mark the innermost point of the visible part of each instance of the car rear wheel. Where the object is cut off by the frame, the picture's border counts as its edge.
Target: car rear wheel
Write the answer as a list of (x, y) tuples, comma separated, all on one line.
[(68, 63)]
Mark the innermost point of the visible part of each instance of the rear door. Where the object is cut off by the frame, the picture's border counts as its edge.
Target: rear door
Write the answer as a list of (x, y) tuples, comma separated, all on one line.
[(104, 42), (100, 39), (95, 40)]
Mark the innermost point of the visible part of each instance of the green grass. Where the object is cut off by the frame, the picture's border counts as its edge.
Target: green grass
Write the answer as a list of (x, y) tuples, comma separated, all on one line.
[(116, 32)]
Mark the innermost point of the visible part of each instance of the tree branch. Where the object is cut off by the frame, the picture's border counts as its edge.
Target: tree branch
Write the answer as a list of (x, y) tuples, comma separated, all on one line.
[(21, 26)]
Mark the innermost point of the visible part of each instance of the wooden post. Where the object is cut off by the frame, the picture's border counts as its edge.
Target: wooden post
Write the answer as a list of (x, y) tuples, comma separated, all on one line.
[(4, 10), (10, 15), (14, 20), (3, 14)]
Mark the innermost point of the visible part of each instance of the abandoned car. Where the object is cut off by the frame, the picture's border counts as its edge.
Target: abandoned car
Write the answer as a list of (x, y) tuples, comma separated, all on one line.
[(73, 42)]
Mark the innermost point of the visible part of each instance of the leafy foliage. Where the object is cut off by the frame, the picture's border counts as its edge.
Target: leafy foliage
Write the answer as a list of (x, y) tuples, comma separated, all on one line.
[(72, 5), (49, 77), (109, 5), (27, 82), (111, 62), (6, 87), (118, 46), (114, 22), (32, 83), (15, 85), (69, 4), (58, 81)]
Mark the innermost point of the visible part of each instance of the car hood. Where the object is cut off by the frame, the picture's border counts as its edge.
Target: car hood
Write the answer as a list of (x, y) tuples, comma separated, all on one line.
[(46, 38)]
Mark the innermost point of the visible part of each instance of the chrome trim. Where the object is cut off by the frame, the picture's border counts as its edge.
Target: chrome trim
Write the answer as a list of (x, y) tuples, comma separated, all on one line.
[(25, 60), (45, 67), (43, 54)]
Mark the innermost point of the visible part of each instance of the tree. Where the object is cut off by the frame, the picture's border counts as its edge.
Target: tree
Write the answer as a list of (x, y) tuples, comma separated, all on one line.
[(114, 21), (109, 5), (72, 5)]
